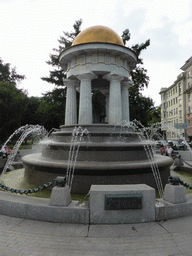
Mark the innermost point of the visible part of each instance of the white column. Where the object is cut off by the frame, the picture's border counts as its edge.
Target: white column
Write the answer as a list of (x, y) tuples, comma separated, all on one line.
[(107, 107), (115, 105), (85, 101), (125, 85), (71, 105)]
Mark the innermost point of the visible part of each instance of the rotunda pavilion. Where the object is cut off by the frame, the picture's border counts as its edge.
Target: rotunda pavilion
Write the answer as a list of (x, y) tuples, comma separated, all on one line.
[(96, 54), (113, 154)]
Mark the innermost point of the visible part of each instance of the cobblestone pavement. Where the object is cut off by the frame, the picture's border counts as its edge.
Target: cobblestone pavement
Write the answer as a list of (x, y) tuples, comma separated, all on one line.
[(29, 238)]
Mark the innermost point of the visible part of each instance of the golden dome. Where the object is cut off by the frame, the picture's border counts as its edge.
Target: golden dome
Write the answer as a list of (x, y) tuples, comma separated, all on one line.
[(98, 34)]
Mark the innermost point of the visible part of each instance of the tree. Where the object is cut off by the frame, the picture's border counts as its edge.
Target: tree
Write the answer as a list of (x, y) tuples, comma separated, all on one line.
[(31, 115), (8, 74), (13, 104), (13, 101), (52, 108), (141, 108), (156, 115), (126, 36), (65, 41)]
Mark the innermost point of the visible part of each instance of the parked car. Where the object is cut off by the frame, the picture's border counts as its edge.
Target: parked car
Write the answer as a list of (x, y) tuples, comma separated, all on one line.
[(177, 145)]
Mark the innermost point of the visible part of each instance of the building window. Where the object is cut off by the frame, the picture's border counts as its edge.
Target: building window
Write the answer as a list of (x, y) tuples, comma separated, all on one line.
[(179, 102), (179, 88), (180, 113), (189, 110), (189, 97), (189, 74)]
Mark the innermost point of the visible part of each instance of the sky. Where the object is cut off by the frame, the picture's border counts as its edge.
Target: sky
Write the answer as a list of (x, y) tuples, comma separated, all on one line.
[(30, 29)]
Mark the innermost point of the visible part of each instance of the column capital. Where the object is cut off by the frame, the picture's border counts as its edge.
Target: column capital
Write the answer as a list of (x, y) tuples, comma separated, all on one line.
[(130, 83), (113, 77), (70, 82), (126, 84), (89, 76)]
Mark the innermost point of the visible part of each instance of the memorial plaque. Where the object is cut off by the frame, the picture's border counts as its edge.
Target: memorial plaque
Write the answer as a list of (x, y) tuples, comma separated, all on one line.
[(123, 202)]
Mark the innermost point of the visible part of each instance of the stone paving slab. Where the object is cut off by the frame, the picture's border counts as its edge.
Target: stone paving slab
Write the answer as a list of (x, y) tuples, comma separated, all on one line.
[(59, 229), (124, 230), (179, 225), (19, 237)]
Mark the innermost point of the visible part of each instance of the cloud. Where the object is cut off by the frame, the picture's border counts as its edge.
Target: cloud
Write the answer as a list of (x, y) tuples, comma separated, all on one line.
[(31, 29), (164, 43)]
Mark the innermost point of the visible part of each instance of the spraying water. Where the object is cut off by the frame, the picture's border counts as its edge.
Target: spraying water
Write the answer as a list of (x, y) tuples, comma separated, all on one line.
[(143, 134), (126, 132), (77, 136), (39, 132)]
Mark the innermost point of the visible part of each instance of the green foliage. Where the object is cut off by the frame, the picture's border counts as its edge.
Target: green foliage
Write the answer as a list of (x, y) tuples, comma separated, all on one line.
[(155, 115), (31, 115), (52, 108), (55, 76), (141, 108), (126, 36), (8, 74), (13, 104)]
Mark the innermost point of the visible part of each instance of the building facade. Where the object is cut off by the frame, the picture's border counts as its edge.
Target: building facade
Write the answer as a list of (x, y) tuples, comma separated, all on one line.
[(187, 68), (176, 105), (173, 108)]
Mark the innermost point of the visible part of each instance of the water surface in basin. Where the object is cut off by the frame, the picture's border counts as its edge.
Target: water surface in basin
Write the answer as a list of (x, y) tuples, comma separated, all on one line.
[(15, 179)]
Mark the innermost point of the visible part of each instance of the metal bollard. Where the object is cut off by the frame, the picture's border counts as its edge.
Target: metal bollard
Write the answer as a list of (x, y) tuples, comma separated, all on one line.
[(174, 180), (60, 181)]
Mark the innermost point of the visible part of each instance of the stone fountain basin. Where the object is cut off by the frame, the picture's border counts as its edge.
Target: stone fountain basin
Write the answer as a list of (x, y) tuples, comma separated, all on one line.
[(97, 151), (40, 170), (50, 165), (101, 154)]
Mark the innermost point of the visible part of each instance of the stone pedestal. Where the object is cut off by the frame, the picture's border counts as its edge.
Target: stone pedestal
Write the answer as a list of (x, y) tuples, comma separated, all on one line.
[(174, 194), (99, 214), (60, 196)]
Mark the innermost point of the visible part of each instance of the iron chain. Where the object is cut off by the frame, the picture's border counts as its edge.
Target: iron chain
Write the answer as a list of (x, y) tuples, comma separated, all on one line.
[(175, 180), (27, 191)]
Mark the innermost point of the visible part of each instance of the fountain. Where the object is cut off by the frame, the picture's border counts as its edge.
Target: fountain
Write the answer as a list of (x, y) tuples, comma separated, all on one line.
[(23, 132), (113, 152)]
